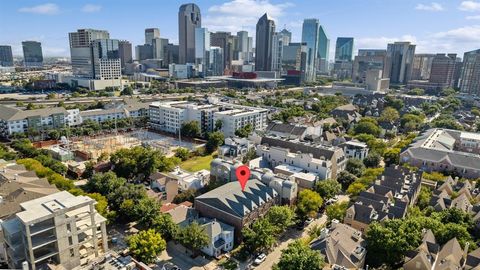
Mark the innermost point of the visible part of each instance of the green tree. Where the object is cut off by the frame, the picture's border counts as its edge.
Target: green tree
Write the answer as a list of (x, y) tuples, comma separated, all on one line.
[(392, 156), (163, 223), (193, 237), (389, 115), (424, 197), (336, 211), (218, 125), (182, 153), (260, 236), (281, 217), (191, 129), (355, 188), (308, 203), (127, 91), (328, 188), (146, 210), (367, 126), (345, 179), (355, 166), (146, 245), (299, 256), (214, 140), (372, 160), (245, 131)]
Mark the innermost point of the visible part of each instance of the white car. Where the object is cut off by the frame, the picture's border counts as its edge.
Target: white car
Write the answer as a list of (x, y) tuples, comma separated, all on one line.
[(260, 258)]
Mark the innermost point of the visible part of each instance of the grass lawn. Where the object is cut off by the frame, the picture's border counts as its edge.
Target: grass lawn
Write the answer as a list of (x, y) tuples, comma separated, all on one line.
[(196, 164)]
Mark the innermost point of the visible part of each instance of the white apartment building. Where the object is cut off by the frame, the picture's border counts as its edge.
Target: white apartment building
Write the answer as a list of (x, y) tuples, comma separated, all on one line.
[(239, 117), (169, 116), (220, 236), (282, 156), (324, 160), (14, 120), (60, 229), (187, 180), (101, 115)]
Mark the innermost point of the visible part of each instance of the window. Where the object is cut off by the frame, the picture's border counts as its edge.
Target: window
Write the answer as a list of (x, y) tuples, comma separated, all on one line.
[(72, 252)]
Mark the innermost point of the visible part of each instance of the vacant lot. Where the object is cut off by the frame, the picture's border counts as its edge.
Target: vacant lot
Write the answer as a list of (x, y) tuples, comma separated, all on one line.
[(196, 164)]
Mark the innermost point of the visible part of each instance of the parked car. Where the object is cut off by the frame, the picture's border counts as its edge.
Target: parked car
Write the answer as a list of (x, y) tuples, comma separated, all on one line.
[(170, 266), (260, 258)]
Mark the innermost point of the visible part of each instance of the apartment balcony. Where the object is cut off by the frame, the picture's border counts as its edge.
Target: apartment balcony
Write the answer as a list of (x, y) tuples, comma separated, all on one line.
[(43, 239), (41, 227), (45, 252)]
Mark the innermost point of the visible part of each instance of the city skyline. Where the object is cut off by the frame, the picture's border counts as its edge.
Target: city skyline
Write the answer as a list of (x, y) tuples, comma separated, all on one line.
[(445, 26)]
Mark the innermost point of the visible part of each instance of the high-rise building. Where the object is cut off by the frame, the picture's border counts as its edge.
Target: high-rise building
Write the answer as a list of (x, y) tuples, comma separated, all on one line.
[(144, 52), (32, 54), (458, 72), (344, 49), (367, 60), (150, 34), (295, 58), (202, 49), (216, 64), (400, 57), (158, 47), (106, 59), (470, 76), (81, 52), (6, 56), (125, 52), (264, 43), (189, 18), (244, 49), (323, 50), (422, 65), (443, 69), (310, 37), (287, 36), (277, 51), (172, 54), (225, 41)]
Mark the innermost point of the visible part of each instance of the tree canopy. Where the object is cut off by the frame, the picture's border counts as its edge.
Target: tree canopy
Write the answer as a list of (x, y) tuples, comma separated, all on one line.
[(299, 256), (146, 245)]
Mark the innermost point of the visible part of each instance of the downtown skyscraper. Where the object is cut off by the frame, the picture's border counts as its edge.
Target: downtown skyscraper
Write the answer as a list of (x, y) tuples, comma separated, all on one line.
[(323, 50), (310, 38), (189, 18), (470, 76), (400, 56), (264, 43), (81, 52), (32, 54), (6, 56)]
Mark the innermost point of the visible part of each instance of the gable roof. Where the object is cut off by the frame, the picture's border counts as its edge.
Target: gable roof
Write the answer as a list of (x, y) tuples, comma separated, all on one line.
[(230, 198), (11, 114)]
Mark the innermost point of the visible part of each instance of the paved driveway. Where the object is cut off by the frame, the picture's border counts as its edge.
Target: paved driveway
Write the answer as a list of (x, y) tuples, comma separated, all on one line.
[(177, 255)]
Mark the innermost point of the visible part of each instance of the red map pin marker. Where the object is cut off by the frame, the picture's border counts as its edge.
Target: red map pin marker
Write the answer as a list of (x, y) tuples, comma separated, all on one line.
[(243, 174)]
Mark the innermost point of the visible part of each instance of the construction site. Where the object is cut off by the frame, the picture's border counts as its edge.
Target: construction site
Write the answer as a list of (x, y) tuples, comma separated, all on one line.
[(92, 147)]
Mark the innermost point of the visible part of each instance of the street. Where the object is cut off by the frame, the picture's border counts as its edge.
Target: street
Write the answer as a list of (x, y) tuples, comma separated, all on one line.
[(274, 256)]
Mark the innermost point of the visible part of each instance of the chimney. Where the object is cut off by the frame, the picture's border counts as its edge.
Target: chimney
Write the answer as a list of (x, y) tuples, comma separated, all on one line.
[(465, 250)]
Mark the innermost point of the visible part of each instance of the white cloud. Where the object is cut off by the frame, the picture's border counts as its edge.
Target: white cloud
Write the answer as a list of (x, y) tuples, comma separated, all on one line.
[(237, 15), (469, 6), (467, 34), (91, 8), (475, 17), (44, 9), (430, 7)]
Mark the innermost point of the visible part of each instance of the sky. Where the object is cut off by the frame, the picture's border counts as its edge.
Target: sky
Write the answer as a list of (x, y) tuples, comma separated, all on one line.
[(441, 26)]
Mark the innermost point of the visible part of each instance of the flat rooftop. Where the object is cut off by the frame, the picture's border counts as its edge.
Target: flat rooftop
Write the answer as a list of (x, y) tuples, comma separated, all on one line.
[(45, 206)]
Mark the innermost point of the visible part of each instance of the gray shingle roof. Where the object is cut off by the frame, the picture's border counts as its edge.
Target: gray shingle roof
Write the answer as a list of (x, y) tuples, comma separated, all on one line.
[(231, 199), (316, 150), (10, 114)]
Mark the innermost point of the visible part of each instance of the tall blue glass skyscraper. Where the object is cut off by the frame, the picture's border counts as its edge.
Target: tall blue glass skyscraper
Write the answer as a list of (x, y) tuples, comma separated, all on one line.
[(323, 50), (344, 49), (310, 38)]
